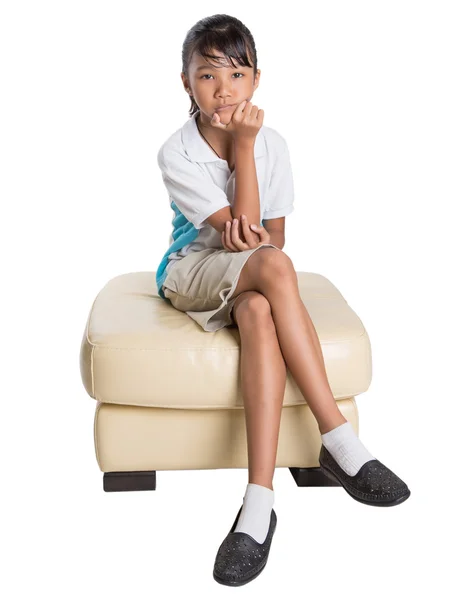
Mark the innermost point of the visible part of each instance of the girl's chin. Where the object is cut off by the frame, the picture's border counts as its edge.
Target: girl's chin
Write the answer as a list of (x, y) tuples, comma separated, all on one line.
[(224, 116), (226, 111)]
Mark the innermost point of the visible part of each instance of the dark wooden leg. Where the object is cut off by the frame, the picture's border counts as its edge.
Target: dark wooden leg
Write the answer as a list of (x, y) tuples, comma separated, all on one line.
[(129, 481), (311, 477)]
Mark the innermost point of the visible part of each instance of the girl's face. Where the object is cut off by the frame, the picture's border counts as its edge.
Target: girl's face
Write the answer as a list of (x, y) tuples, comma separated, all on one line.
[(215, 84)]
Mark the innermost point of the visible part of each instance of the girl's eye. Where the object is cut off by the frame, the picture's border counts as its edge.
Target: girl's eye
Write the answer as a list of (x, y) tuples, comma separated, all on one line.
[(209, 75)]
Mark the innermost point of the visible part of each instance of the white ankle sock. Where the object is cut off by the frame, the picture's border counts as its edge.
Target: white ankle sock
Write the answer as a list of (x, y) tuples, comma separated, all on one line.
[(255, 516), (346, 448)]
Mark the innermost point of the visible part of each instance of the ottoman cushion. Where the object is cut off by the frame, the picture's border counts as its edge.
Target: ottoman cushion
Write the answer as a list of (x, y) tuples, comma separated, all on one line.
[(137, 349)]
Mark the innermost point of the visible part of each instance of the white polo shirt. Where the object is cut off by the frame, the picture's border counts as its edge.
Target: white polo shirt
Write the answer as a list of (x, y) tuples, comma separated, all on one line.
[(199, 183)]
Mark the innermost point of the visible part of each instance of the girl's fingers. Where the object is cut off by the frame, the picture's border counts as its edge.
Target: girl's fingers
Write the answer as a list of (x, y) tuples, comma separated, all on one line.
[(236, 238), (225, 238), (263, 234), (234, 232), (228, 237), (249, 235), (216, 122), (224, 243)]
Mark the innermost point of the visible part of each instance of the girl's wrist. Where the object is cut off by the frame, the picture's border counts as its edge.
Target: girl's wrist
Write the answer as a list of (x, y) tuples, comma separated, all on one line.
[(244, 143)]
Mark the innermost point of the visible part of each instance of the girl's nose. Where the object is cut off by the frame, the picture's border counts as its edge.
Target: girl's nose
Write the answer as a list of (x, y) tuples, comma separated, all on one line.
[(224, 87)]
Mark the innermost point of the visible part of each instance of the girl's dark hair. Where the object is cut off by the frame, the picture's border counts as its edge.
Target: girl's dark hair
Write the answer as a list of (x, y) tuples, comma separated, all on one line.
[(222, 33)]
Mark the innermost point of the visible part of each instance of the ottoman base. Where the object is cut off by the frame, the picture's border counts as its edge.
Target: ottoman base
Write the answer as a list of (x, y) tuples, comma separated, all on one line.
[(132, 443)]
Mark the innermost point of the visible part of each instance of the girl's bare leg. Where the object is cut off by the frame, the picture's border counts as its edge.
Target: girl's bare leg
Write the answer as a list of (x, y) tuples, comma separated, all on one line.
[(276, 279), (263, 380)]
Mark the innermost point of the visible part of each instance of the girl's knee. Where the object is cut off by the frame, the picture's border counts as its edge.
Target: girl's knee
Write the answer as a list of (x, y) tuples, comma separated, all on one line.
[(251, 304)]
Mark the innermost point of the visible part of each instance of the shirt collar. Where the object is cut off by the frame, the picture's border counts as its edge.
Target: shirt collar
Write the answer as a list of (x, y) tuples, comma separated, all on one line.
[(198, 149)]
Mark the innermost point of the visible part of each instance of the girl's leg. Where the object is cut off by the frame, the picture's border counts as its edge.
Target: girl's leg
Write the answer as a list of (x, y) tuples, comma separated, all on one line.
[(263, 380), (271, 273)]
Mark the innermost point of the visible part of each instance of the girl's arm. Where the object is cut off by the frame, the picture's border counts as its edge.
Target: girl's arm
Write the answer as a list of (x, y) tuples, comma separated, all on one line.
[(244, 126), (277, 238), (246, 198)]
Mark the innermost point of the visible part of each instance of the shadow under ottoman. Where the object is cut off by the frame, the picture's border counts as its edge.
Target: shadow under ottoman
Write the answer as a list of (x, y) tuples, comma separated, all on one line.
[(169, 396)]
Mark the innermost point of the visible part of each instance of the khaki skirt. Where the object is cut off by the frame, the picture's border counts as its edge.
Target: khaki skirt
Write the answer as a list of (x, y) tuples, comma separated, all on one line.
[(202, 285)]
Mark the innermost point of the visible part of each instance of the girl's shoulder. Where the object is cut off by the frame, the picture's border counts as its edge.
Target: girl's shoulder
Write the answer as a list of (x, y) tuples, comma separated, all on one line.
[(275, 142), (173, 148)]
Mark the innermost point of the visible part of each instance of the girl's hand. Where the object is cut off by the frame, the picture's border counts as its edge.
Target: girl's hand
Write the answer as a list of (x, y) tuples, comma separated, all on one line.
[(245, 123), (254, 236)]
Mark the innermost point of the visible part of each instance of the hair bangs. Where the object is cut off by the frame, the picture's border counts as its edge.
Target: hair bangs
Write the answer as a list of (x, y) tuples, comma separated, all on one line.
[(233, 47)]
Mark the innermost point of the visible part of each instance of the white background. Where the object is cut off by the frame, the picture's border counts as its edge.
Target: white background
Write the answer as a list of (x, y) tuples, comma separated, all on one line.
[(372, 98)]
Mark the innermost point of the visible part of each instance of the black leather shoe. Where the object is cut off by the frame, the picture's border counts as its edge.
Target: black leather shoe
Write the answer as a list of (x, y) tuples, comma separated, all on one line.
[(240, 557), (373, 484)]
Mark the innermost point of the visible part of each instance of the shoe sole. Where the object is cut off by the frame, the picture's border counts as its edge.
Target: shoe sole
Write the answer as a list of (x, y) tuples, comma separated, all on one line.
[(244, 581), (393, 502)]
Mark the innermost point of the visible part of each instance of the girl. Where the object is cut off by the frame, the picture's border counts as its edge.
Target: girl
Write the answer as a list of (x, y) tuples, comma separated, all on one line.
[(230, 184)]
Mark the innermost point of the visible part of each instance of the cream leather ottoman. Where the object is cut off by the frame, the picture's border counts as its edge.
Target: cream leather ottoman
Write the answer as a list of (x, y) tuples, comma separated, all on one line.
[(168, 393)]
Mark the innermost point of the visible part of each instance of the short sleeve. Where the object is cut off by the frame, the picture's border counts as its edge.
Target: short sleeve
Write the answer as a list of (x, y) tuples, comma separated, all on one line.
[(280, 196), (192, 190)]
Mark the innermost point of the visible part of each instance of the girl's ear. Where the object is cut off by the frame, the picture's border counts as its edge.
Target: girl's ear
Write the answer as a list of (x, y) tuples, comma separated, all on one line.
[(185, 82)]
